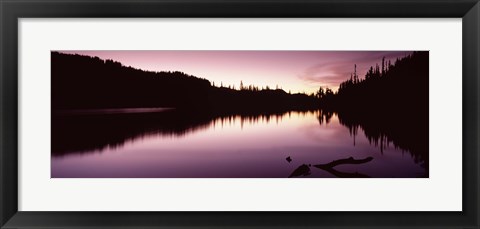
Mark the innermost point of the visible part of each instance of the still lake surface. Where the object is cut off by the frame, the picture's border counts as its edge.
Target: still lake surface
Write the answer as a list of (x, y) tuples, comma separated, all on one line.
[(162, 144)]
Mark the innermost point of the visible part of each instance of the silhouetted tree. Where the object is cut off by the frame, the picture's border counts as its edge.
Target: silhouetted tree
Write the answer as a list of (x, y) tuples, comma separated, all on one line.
[(391, 105), (320, 93), (383, 66)]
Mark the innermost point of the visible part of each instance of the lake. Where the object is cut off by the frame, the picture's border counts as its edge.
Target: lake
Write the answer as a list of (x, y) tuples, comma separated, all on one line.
[(166, 143)]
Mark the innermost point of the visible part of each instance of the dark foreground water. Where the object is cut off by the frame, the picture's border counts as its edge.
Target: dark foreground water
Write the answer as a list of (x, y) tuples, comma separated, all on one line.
[(172, 144)]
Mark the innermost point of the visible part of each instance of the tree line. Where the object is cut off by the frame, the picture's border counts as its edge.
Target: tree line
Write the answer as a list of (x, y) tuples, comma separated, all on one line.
[(403, 84), (84, 82), (390, 104)]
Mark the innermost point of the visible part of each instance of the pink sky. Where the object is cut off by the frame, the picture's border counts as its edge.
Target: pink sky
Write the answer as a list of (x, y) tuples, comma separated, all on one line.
[(295, 71)]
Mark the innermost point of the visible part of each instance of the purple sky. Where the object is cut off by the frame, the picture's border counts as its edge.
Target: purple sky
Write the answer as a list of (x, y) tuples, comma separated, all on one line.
[(297, 71)]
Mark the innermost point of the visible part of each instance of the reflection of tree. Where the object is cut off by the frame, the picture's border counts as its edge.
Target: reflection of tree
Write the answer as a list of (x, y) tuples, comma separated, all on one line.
[(96, 132), (324, 116), (382, 133)]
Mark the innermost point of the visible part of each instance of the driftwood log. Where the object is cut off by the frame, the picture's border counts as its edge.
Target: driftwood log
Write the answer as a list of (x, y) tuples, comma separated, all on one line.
[(304, 169), (329, 167), (349, 160)]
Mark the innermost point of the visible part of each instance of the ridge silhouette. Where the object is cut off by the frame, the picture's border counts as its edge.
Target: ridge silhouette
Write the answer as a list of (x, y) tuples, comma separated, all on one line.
[(84, 82)]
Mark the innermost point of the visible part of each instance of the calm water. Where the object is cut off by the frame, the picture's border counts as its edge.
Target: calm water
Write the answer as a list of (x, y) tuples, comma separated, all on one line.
[(170, 145)]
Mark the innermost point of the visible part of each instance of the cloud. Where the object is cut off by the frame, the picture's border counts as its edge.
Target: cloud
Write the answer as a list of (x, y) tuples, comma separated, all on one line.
[(327, 74), (331, 72)]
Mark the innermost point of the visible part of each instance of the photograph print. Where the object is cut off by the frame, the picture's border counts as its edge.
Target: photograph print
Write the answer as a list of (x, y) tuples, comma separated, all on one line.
[(239, 114)]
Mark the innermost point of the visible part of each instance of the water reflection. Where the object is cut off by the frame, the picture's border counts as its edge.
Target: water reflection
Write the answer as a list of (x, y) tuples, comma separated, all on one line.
[(182, 143), (99, 130)]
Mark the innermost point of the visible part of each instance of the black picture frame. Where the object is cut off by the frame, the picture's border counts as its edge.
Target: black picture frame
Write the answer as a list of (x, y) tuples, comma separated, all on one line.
[(12, 10)]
